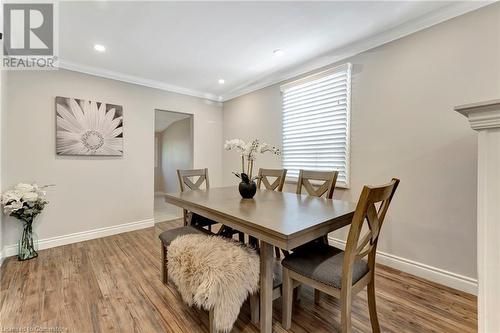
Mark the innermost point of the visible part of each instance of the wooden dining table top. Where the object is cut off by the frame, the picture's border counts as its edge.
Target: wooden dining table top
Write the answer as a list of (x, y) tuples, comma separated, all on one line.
[(281, 216)]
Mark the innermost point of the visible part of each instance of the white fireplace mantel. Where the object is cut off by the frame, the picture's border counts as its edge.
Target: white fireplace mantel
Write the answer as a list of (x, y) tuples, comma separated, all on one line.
[(484, 117)]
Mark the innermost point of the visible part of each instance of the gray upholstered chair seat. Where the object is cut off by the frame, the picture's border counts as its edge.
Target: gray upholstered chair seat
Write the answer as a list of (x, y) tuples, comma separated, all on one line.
[(323, 263), (168, 236)]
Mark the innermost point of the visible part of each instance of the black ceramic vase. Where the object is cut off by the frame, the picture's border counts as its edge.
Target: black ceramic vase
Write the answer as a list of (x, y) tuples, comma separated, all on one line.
[(247, 190)]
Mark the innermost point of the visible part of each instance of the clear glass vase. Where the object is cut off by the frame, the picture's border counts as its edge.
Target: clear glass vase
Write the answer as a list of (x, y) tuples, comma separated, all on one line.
[(28, 244)]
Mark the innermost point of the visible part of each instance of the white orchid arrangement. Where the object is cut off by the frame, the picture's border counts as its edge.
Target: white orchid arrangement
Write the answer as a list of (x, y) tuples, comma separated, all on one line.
[(24, 201), (248, 151)]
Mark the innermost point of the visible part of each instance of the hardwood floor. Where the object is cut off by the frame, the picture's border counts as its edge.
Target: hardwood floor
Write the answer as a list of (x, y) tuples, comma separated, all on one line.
[(113, 284)]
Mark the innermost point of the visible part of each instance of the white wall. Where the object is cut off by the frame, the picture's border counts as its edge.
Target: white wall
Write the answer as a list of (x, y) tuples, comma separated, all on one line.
[(176, 153), (403, 125), (94, 192), (2, 102)]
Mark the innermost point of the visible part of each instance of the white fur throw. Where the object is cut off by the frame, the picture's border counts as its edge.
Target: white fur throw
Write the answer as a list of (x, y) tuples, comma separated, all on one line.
[(213, 273)]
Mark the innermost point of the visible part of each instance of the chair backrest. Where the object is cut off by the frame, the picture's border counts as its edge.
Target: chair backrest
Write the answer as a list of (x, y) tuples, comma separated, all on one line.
[(358, 247), (328, 177), (277, 184), (187, 181)]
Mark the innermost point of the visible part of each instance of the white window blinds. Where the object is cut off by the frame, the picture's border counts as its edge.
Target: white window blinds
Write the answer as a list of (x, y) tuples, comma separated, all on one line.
[(316, 118)]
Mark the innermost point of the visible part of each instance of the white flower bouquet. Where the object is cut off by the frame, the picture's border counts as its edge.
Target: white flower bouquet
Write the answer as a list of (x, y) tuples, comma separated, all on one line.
[(25, 202), (248, 151)]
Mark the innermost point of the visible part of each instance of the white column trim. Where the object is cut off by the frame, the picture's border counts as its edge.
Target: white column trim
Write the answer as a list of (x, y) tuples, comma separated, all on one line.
[(484, 117)]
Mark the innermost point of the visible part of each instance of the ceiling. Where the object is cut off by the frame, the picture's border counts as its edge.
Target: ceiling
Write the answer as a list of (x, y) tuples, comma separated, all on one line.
[(163, 119), (187, 47)]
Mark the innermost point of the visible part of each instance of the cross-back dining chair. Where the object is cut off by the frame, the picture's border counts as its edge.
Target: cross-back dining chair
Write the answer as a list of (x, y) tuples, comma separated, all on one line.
[(338, 273), (317, 184), (194, 180), (265, 178), (166, 237), (186, 179), (309, 181), (269, 184)]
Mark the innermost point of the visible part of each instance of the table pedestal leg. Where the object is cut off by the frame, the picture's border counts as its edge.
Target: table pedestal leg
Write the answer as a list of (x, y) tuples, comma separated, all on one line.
[(266, 288)]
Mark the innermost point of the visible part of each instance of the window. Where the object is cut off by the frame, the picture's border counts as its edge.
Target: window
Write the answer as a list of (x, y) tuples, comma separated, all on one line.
[(316, 118)]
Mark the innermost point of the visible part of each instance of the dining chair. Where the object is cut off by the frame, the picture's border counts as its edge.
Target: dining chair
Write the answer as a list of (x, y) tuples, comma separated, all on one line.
[(264, 178), (338, 273), (272, 185), (166, 238), (193, 180), (317, 184), (309, 180), (187, 181)]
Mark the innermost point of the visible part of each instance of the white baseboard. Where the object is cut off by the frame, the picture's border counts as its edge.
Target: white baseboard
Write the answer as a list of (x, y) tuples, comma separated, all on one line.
[(434, 274), (11, 250)]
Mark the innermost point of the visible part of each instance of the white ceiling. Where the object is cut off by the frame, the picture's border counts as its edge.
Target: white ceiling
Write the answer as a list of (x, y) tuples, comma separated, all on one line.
[(163, 119), (187, 46)]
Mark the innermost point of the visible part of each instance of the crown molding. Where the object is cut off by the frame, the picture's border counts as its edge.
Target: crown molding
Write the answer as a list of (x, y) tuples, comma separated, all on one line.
[(446, 13), (453, 10), (482, 115), (118, 76)]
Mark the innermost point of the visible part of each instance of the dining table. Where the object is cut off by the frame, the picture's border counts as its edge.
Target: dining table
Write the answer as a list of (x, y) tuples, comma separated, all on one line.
[(278, 219)]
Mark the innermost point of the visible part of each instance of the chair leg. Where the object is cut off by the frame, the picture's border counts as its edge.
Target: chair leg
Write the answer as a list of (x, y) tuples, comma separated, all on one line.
[(277, 252), (253, 242), (317, 296), (296, 293), (254, 308), (185, 217), (241, 237), (211, 322), (345, 312), (287, 290), (372, 306), (164, 269), (225, 231)]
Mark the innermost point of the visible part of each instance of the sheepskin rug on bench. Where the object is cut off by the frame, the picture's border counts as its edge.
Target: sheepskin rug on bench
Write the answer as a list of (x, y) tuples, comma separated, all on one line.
[(213, 273)]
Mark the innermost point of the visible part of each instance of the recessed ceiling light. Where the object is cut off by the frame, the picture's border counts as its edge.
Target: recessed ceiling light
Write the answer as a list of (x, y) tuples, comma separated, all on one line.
[(222, 81), (278, 52), (99, 48)]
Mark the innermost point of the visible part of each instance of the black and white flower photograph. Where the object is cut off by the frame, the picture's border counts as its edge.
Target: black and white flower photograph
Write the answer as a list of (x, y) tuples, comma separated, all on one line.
[(88, 127)]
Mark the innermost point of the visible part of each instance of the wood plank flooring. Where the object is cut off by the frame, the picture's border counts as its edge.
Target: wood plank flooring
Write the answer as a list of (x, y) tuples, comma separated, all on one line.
[(113, 284)]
